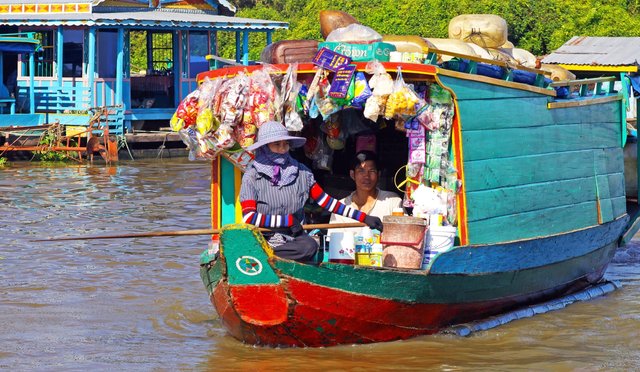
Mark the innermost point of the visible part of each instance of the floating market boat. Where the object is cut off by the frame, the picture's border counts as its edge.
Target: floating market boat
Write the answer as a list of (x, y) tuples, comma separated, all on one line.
[(539, 213)]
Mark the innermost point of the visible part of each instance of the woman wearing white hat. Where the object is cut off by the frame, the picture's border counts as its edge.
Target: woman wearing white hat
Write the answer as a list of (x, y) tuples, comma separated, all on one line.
[(275, 188)]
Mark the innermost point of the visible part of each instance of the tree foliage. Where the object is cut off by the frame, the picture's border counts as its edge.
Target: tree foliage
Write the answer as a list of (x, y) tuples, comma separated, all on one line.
[(539, 26)]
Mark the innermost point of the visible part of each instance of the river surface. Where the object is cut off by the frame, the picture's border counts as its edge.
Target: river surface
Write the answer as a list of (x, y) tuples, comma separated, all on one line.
[(139, 304)]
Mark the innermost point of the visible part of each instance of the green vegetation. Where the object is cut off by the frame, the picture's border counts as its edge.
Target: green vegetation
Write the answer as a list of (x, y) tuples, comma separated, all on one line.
[(3, 162), (539, 26), (50, 138)]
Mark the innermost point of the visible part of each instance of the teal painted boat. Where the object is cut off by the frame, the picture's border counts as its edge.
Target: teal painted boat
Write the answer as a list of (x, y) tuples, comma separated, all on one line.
[(540, 213)]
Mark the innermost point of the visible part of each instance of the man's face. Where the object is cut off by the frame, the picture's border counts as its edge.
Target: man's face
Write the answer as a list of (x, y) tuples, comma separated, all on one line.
[(365, 176)]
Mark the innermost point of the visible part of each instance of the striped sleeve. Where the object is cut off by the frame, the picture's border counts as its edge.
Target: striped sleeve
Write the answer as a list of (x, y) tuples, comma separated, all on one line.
[(333, 205), (251, 216)]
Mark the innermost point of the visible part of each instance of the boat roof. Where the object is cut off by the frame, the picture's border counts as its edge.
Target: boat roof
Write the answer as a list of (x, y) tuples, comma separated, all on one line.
[(18, 43), (86, 13), (597, 53)]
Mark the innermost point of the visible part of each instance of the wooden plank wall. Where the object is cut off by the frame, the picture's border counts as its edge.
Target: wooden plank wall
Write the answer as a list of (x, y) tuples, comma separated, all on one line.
[(530, 171)]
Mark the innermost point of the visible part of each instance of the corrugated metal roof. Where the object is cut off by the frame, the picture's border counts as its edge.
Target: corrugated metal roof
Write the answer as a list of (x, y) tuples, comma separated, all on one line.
[(597, 51), (224, 3), (152, 18)]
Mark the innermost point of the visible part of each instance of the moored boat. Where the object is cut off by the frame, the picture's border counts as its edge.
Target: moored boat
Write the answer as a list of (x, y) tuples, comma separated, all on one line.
[(540, 213)]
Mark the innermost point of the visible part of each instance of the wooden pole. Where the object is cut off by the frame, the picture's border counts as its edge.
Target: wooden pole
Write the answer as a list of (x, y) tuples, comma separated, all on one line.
[(193, 232)]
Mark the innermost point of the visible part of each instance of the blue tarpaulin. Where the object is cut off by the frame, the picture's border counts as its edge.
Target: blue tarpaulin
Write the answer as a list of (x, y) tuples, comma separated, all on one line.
[(635, 82), (18, 43)]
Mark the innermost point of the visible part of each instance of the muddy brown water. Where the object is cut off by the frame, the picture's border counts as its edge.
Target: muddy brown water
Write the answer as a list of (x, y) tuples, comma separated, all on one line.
[(139, 304)]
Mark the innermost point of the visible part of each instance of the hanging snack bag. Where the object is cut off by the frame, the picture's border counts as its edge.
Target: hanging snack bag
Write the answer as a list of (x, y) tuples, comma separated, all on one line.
[(361, 91), (263, 95), (289, 94), (402, 101), (187, 112), (234, 99), (326, 105), (381, 83)]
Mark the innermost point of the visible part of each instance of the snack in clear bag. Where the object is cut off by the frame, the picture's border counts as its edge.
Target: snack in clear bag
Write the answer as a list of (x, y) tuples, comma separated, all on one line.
[(381, 83), (326, 105), (187, 112), (402, 101), (438, 94), (224, 136), (373, 107), (362, 91), (206, 122), (262, 99), (289, 95), (234, 99)]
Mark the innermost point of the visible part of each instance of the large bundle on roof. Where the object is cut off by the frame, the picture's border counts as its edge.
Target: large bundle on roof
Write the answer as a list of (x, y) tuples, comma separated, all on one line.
[(486, 30)]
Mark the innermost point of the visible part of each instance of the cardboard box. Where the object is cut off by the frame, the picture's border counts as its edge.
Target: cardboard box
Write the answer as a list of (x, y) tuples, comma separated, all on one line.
[(361, 52)]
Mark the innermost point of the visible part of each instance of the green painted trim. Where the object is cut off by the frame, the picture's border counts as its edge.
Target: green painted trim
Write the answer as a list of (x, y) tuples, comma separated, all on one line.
[(211, 276), (241, 245), (227, 192), (91, 76), (626, 88), (416, 287), (59, 54)]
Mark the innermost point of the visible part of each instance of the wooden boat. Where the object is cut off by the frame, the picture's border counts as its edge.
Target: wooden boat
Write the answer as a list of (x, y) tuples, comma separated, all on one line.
[(541, 212)]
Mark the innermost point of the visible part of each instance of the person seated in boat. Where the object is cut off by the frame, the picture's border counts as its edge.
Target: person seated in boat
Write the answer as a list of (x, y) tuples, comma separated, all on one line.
[(275, 188), (367, 197)]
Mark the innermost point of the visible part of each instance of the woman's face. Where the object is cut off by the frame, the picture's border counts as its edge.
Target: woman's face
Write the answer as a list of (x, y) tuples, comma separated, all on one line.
[(279, 147), (365, 176)]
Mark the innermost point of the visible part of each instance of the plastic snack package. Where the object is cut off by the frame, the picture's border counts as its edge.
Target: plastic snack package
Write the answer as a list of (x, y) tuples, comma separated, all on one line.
[(403, 100), (188, 109), (263, 97), (234, 100), (438, 94), (224, 136), (362, 91), (373, 107), (381, 83)]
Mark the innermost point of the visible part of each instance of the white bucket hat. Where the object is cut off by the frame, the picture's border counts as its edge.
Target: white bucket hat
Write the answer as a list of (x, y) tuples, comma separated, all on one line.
[(272, 131)]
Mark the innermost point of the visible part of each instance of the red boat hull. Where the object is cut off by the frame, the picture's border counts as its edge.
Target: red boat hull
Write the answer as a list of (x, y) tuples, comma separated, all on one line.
[(322, 316)]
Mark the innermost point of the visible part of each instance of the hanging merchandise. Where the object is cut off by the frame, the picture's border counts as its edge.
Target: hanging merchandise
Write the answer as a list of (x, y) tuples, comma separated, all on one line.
[(206, 120), (290, 88), (417, 145), (381, 85), (436, 149), (323, 157), (438, 94), (233, 99), (263, 97), (428, 201), (325, 104), (362, 91), (186, 113), (402, 101)]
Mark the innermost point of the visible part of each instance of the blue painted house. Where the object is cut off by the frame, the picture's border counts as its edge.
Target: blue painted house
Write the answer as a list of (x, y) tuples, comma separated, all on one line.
[(85, 58)]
